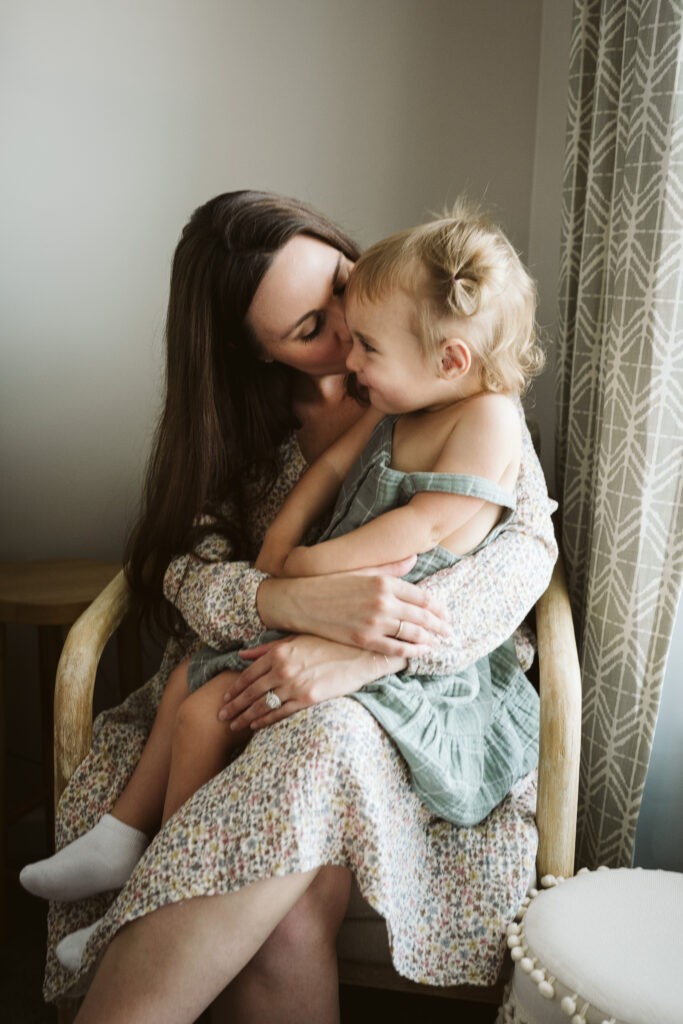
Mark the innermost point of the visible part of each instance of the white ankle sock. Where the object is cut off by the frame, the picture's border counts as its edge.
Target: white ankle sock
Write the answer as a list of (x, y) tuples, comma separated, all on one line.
[(101, 859), (70, 950)]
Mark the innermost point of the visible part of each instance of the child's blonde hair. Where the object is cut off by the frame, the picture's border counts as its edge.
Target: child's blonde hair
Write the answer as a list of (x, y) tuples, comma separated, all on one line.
[(461, 266)]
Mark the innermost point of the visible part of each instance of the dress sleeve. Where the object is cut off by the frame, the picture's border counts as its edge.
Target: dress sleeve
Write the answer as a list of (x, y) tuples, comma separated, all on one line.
[(216, 596), (216, 599), (487, 594)]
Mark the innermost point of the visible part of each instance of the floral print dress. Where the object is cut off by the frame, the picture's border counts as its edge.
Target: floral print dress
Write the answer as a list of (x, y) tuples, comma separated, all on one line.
[(327, 785)]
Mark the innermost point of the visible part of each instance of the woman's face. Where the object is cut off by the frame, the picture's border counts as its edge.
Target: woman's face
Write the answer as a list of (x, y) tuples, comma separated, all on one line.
[(297, 313)]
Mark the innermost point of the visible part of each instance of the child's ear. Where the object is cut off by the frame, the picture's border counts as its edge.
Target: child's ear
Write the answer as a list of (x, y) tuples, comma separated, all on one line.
[(456, 357)]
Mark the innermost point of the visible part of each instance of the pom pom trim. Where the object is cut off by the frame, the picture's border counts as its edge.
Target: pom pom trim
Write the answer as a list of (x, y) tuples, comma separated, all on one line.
[(573, 1005)]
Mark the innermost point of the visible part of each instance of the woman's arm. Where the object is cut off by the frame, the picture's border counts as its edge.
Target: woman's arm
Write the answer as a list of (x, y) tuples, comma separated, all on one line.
[(217, 599), (485, 596), (225, 602)]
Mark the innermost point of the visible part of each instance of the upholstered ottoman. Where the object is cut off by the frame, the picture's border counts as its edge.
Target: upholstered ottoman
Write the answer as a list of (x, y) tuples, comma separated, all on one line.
[(604, 947)]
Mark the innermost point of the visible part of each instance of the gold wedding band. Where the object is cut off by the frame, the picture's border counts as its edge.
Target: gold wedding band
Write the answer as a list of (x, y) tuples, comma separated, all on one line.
[(397, 634)]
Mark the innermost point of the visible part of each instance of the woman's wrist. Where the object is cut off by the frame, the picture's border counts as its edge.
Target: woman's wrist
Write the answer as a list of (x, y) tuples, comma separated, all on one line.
[(278, 602), (387, 665)]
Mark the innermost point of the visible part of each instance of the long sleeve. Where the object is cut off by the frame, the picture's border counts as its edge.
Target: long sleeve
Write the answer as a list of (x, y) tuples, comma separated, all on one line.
[(488, 594), (217, 598)]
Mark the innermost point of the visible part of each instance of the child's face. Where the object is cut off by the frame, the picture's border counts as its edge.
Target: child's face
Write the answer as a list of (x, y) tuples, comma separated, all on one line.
[(387, 356)]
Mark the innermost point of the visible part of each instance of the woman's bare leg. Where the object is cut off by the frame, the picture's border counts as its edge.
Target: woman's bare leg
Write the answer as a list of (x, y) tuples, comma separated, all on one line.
[(293, 978), (201, 744), (171, 964)]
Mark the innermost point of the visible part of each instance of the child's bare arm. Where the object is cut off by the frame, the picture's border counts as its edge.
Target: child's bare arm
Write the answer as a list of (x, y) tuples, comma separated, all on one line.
[(313, 494), (390, 537), (485, 442)]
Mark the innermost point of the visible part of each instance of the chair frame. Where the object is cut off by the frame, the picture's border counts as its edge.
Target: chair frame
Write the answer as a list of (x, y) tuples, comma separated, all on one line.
[(558, 770)]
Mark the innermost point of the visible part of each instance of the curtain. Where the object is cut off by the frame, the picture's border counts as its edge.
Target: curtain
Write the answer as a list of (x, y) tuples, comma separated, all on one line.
[(620, 392)]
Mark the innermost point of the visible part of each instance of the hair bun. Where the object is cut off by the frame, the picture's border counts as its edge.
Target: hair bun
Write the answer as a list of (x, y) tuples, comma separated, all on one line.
[(465, 294)]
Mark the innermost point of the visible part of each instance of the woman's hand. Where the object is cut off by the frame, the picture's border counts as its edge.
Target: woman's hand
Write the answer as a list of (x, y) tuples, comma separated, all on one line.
[(301, 670), (373, 609)]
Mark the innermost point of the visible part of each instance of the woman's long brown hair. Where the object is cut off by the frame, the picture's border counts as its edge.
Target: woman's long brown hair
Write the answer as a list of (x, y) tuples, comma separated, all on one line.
[(225, 412)]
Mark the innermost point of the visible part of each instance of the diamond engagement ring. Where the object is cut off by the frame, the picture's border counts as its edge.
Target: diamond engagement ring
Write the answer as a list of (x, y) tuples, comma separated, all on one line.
[(273, 701)]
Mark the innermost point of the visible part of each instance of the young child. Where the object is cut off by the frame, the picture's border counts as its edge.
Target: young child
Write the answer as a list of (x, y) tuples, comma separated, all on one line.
[(442, 321)]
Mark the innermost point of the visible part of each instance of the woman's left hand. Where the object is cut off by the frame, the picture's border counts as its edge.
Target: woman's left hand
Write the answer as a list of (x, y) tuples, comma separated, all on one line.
[(301, 671)]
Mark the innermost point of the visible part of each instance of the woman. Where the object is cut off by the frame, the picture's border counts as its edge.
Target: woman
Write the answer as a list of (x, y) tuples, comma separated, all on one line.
[(247, 885)]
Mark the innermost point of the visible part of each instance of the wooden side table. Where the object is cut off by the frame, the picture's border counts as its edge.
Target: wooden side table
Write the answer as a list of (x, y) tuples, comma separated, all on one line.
[(49, 595)]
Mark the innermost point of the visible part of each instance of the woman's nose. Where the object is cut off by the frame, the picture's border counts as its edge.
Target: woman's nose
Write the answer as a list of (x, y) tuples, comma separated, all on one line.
[(340, 326)]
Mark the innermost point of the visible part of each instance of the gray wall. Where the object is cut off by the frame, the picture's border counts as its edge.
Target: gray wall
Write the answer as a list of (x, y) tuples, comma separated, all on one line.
[(118, 119)]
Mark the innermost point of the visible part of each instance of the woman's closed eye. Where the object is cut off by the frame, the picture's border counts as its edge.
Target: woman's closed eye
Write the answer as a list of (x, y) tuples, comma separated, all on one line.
[(319, 317), (340, 280), (318, 324)]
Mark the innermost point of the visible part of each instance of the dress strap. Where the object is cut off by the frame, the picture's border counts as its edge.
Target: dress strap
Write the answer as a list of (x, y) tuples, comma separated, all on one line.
[(458, 483)]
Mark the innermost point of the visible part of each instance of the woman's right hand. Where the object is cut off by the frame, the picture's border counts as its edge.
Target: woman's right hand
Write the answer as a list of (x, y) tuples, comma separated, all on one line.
[(301, 670), (373, 609)]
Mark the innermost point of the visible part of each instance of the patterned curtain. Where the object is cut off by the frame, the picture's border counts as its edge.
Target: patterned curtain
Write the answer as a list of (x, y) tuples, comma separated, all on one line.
[(620, 392)]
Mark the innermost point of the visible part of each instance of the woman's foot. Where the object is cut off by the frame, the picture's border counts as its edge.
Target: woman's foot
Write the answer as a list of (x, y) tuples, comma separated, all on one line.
[(70, 950), (101, 859)]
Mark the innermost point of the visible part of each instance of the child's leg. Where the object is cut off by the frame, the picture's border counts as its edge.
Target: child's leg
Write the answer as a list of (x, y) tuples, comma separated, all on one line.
[(202, 744), (141, 802), (104, 857)]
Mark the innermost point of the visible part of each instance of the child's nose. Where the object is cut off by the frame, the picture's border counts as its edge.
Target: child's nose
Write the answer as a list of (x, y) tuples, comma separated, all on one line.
[(352, 361)]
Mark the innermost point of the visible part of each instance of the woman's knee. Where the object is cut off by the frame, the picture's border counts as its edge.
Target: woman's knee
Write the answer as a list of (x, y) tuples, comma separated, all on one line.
[(312, 924)]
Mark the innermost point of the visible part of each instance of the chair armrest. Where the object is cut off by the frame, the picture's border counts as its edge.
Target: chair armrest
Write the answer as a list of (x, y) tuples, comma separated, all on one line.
[(560, 730), (75, 682)]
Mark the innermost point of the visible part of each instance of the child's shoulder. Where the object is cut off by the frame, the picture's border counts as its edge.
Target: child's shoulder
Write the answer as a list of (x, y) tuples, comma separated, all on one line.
[(490, 412)]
